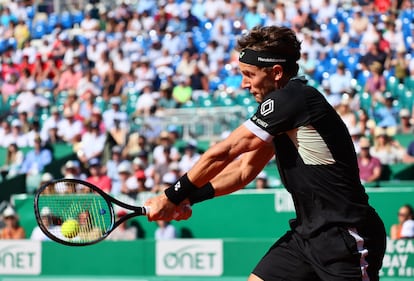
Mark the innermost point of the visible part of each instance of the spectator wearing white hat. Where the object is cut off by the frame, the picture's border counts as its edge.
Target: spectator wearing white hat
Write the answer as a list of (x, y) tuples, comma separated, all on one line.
[(385, 148), (16, 135), (72, 170), (262, 181), (12, 229), (70, 129), (406, 123), (128, 183), (46, 217)]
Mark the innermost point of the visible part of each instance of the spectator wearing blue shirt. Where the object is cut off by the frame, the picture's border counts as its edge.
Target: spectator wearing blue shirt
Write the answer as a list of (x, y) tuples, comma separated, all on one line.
[(408, 157), (36, 159), (388, 114)]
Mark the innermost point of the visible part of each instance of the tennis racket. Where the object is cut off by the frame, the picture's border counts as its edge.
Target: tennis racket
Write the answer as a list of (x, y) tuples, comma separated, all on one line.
[(77, 213)]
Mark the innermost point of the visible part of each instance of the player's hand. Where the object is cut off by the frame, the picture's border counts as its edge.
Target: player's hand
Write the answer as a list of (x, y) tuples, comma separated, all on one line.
[(163, 209)]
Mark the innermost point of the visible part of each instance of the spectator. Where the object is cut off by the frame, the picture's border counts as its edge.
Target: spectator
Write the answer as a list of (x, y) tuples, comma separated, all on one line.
[(70, 129), (51, 122), (374, 54), (16, 135), (386, 115), (68, 79), (87, 84), (405, 213), (400, 64), (407, 229), (146, 100), (92, 143), (86, 106), (182, 92), (29, 100), (152, 126), (111, 166), (359, 25), (10, 86), (135, 144), (166, 101), (189, 157), (47, 221), (165, 142), (123, 231), (262, 181), (165, 231), (340, 82), (97, 176), (405, 124), (307, 66), (356, 135), (5, 133), (408, 156), (72, 170), (114, 112), (14, 160), (128, 183), (387, 150), (12, 229), (36, 159), (345, 112), (376, 84), (370, 167)]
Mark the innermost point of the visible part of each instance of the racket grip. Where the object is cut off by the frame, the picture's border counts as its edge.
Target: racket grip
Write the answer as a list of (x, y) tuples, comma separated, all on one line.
[(147, 210)]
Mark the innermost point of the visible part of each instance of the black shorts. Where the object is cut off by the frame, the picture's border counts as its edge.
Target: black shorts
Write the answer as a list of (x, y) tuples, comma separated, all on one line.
[(336, 254)]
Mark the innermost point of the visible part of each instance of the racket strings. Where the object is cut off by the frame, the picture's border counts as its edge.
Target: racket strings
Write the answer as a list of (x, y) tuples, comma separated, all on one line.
[(88, 211)]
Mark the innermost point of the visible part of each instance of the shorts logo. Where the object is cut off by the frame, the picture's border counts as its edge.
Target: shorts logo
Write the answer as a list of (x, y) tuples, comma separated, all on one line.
[(267, 107)]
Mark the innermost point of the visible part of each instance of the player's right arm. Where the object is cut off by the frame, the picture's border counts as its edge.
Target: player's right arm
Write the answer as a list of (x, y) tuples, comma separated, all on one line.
[(242, 170), (225, 167)]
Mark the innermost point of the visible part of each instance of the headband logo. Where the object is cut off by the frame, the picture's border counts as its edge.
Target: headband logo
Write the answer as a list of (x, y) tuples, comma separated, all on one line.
[(260, 58)]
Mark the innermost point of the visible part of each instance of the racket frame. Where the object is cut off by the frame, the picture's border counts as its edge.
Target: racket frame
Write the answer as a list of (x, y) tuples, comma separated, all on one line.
[(111, 201)]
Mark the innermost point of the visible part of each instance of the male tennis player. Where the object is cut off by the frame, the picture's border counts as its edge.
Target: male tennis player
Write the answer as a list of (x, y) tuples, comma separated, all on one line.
[(336, 235)]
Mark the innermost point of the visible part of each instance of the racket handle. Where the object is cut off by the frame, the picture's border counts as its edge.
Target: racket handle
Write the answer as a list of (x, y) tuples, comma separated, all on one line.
[(147, 210)]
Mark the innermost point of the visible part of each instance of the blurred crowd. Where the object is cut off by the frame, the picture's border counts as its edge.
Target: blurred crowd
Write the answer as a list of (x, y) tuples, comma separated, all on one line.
[(82, 77)]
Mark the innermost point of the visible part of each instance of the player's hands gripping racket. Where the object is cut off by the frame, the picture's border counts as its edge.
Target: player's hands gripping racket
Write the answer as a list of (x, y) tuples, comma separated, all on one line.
[(76, 213)]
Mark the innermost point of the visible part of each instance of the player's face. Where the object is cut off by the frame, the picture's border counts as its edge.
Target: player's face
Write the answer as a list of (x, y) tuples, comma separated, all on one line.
[(258, 81)]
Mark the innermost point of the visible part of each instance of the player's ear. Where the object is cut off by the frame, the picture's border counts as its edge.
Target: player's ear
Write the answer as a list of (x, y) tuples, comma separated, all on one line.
[(277, 72)]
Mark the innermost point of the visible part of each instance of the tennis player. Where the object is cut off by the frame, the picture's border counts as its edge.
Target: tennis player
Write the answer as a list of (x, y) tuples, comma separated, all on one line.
[(336, 235)]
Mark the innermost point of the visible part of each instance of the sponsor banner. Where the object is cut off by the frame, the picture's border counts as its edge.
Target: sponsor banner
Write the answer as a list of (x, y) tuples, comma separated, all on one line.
[(284, 202), (20, 257), (399, 259), (189, 257)]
